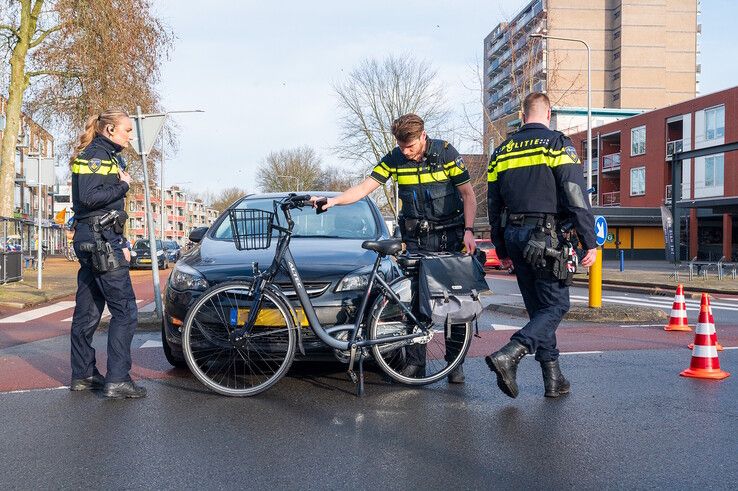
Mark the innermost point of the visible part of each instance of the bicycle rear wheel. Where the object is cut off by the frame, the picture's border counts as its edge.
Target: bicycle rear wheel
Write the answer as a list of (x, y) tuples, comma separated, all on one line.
[(437, 353), (243, 367)]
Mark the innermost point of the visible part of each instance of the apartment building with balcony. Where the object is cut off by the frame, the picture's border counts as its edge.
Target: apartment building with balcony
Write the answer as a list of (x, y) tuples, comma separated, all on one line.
[(633, 176), (643, 56), (181, 213)]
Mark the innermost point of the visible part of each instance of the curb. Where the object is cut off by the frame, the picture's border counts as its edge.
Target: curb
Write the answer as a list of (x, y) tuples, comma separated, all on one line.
[(653, 288), (147, 322), (603, 315), (46, 298)]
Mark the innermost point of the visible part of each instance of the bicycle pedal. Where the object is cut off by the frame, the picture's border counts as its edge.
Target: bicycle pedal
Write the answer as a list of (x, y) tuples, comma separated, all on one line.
[(352, 375)]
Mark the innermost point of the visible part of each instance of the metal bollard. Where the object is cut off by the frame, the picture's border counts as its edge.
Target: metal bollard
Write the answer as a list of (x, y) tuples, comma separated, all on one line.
[(622, 260)]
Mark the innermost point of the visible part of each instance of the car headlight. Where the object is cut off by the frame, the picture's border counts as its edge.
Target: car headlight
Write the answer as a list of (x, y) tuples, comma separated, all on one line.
[(357, 280), (133, 254), (187, 278)]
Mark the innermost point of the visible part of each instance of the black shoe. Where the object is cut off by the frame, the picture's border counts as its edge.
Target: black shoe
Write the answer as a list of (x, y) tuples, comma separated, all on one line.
[(123, 390), (505, 364), (553, 380), (413, 371), (456, 376), (93, 382)]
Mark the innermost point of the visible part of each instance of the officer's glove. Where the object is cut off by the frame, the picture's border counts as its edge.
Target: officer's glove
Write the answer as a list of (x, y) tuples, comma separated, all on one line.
[(534, 252)]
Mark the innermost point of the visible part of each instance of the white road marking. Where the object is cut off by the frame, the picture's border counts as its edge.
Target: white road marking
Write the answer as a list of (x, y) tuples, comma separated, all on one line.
[(152, 344), (25, 391), (642, 325), (105, 314), (664, 304), (581, 353), (36, 313), (505, 327)]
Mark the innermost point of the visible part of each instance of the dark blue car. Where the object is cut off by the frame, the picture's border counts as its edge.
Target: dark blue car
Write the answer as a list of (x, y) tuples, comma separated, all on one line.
[(327, 250)]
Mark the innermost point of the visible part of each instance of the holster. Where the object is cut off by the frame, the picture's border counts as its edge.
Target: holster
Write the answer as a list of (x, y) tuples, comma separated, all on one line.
[(103, 255)]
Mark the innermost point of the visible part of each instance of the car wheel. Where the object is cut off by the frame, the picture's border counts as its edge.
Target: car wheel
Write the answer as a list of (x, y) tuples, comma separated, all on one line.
[(169, 354)]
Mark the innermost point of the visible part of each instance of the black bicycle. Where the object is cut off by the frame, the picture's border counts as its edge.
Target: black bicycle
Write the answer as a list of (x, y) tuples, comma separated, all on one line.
[(240, 337)]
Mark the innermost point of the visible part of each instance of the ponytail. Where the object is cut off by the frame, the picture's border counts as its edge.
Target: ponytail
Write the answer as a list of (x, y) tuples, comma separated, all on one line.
[(95, 125)]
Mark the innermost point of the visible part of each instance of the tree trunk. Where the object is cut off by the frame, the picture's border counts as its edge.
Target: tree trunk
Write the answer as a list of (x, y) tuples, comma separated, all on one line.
[(18, 84)]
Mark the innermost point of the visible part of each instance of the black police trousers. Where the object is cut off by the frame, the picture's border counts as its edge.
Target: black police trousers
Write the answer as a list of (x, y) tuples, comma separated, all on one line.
[(436, 242), (546, 298), (94, 290)]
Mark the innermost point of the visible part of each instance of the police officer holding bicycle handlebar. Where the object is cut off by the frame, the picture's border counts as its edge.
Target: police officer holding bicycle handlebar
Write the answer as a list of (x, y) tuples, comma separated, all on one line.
[(438, 205), (99, 185)]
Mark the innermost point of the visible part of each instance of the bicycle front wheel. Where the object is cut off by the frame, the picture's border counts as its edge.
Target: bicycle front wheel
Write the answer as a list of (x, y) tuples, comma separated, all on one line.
[(238, 367), (422, 360)]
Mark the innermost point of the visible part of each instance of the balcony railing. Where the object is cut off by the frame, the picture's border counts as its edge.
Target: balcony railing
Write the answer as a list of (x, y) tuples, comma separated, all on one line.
[(673, 147), (595, 166), (611, 162), (611, 199)]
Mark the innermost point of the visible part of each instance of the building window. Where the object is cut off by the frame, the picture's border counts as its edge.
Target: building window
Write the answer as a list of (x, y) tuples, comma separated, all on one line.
[(714, 171), (132, 206), (638, 141), (715, 123), (638, 181)]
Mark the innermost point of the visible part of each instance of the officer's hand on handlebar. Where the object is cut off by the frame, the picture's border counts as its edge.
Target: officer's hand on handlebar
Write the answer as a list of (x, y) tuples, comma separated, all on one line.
[(321, 204), (589, 258)]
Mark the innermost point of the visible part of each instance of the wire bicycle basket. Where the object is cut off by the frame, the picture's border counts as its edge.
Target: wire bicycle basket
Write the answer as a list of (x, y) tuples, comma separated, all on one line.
[(252, 229)]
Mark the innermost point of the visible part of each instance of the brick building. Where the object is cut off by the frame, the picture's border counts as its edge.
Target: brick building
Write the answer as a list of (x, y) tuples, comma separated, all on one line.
[(633, 179), (181, 214)]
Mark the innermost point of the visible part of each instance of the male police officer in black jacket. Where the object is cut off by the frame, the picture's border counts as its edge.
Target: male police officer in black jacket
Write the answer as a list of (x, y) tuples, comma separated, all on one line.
[(99, 184), (535, 182), (438, 204)]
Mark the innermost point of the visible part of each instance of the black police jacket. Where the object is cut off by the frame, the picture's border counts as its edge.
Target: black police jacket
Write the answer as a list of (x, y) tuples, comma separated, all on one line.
[(428, 188), (96, 187), (537, 170)]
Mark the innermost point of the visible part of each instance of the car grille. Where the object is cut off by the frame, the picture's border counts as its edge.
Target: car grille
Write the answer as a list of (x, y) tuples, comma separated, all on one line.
[(314, 288)]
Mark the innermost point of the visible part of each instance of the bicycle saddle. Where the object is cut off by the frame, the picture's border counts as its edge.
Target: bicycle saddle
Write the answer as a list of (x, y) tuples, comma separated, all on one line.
[(385, 247)]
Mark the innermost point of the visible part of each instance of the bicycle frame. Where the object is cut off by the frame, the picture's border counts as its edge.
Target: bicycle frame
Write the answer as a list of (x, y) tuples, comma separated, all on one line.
[(283, 257)]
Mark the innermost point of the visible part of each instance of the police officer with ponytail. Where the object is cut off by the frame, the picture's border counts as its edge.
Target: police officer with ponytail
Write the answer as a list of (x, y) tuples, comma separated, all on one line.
[(535, 191), (99, 186), (438, 206)]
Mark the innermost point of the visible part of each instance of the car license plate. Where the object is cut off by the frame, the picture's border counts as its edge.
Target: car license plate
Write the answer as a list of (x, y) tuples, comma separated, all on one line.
[(145, 261), (266, 317)]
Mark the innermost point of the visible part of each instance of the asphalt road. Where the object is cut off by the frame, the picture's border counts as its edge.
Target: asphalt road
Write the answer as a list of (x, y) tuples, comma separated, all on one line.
[(630, 422)]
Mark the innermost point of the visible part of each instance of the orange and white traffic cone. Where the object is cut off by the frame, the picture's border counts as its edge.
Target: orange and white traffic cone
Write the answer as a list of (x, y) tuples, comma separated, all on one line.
[(678, 317), (705, 362), (706, 318)]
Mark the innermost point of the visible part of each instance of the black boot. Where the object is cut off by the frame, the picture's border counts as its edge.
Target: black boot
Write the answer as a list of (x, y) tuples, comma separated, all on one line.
[(456, 376), (93, 382), (553, 380), (505, 364), (123, 390)]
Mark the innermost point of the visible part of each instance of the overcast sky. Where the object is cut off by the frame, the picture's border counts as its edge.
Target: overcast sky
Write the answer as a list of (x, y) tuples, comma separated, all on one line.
[(263, 71)]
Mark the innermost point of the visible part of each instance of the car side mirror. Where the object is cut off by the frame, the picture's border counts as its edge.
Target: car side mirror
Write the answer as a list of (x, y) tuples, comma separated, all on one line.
[(197, 234)]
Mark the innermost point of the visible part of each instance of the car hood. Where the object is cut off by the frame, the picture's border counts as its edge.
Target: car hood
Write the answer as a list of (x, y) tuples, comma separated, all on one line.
[(316, 258)]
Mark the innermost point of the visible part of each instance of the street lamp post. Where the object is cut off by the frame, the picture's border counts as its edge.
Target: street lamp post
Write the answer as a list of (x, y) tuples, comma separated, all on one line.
[(589, 104)]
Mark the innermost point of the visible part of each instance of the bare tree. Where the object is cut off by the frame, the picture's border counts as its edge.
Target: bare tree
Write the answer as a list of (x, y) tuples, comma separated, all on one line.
[(296, 169), (227, 197), (376, 93), (71, 58), (333, 178)]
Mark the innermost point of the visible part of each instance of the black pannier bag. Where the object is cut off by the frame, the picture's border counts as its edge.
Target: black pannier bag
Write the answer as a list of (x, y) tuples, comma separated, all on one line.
[(449, 286)]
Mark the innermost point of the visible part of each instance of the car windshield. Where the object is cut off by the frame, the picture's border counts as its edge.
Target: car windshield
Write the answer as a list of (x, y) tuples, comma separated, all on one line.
[(170, 244), (354, 221), (143, 245)]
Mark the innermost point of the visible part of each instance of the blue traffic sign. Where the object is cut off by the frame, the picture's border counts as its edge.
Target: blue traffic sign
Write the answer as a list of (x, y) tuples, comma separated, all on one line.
[(600, 230)]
